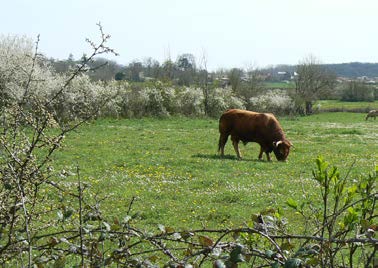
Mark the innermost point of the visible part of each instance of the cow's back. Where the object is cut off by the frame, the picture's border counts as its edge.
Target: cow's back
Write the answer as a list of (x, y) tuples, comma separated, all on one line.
[(247, 125), (235, 120)]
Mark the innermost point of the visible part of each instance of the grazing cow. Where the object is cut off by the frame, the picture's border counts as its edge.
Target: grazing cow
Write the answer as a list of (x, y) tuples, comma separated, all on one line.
[(247, 126), (372, 113)]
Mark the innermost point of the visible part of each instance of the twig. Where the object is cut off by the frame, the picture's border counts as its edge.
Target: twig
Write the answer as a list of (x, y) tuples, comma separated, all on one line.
[(80, 197)]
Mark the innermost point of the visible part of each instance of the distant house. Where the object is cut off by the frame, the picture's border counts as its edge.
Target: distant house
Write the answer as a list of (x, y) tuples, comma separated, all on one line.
[(224, 82), (284, 76), (366, 80)]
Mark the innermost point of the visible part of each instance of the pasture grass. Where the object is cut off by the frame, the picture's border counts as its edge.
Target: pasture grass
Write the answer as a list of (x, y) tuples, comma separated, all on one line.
[(172, 168), (279, 85), (327, 105)]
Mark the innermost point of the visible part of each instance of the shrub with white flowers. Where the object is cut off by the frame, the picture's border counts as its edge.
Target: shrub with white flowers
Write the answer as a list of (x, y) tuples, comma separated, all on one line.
[(21, 74), (190, 101), (222, 99), (275, 101)]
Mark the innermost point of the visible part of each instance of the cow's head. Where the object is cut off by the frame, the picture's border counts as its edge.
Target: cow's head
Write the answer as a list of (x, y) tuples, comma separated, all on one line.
[(281, 149)]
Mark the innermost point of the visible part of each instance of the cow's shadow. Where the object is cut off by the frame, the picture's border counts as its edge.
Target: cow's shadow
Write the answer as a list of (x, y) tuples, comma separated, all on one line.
[(225, 157)]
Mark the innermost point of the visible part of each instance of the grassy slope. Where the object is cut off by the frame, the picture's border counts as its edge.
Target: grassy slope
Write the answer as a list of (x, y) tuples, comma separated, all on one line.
[(173, 169)]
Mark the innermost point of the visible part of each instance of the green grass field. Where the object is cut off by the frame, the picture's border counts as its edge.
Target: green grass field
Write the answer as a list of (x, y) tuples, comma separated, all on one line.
[(172, 167), (280, 85), (345, 106)]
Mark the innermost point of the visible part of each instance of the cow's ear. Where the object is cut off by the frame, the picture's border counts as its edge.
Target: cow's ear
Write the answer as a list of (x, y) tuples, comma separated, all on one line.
[(276, 143)]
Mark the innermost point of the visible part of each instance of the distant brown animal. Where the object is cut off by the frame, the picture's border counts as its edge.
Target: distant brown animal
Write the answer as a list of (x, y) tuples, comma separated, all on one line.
[(372, 113), (247, 126)]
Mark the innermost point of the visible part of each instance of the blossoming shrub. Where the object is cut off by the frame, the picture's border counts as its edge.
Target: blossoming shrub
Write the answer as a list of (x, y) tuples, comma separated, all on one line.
[(190, 101), (114, 99), (26, 79), (164, 100), (82, 97), (275, 101), (21, 74), (222, 99)]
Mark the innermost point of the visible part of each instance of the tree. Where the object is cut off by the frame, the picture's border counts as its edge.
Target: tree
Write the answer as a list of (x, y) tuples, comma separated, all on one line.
[(119, 76), (168, 69), (312, 81), (134, 71), (252, 85), (103, 69), (235, 78), (186, 65), (358, 91), (203, 81), (151, 68)]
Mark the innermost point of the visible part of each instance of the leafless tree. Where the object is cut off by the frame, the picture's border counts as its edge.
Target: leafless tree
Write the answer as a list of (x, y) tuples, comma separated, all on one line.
[(203, 80), (311, 82)]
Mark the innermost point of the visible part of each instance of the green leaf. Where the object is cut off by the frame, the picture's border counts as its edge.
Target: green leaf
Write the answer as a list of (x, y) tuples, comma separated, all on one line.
[(115, 227), (293, 263), (269, 253), (236, 254), (169, 229), (292, 203), (205, 241)]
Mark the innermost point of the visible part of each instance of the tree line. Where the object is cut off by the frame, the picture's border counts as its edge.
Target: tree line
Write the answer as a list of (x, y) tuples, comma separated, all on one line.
[(306, 82), (139, 70)]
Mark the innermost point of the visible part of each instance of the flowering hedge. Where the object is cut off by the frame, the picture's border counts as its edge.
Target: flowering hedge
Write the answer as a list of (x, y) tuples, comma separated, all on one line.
[(115, 98)]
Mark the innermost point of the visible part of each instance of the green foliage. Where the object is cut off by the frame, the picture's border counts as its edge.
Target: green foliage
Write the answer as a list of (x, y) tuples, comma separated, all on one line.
[(347, 212), (358, 91)]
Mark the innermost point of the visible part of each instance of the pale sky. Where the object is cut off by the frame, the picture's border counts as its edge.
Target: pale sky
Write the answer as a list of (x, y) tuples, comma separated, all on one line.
[(234, 33)]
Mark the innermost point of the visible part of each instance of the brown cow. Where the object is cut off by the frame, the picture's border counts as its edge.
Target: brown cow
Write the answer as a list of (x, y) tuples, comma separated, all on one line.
[(372, 113), (247, 126)]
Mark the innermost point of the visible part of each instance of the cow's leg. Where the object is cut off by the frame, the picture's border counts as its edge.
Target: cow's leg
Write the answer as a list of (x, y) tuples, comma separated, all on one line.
[(222, 142), (263, 150), (261, 153), (235, 143)]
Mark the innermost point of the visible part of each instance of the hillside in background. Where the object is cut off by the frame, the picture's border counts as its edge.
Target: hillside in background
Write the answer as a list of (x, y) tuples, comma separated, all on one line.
[(354, 69), (350, 70)]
